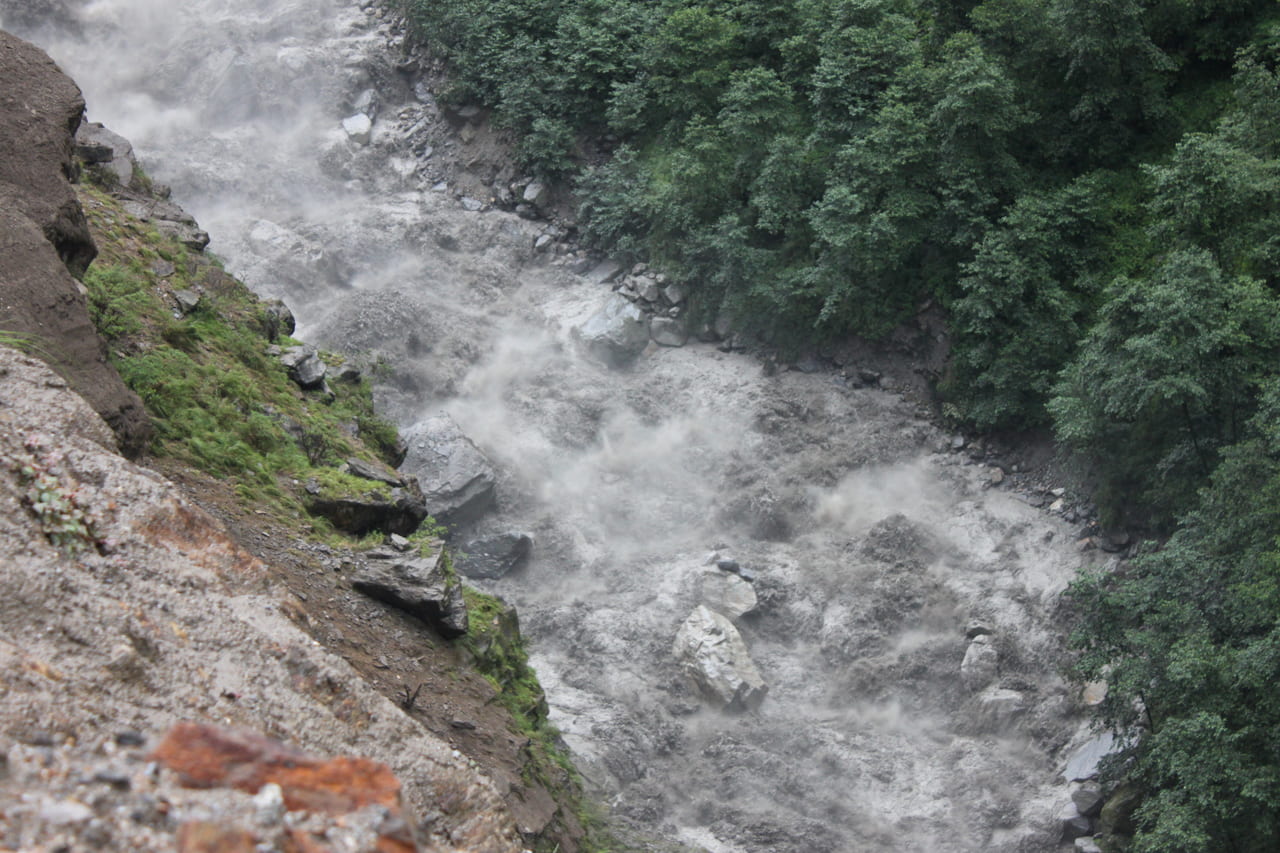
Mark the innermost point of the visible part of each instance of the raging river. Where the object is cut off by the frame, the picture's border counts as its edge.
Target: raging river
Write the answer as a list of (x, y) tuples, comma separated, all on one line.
[(877, 549)]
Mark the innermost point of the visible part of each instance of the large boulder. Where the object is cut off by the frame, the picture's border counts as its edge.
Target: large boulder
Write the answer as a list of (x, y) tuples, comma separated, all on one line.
[(458, 483), (491, 557), (421, 587), (45, 241), (616, 334), (714, 656)]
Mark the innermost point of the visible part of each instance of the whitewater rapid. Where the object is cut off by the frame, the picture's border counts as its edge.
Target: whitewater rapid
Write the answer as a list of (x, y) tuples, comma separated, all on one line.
[(629, 481)]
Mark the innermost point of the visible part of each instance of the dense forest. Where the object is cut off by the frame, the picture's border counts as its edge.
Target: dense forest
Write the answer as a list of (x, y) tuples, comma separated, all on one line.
[(1091, 192)]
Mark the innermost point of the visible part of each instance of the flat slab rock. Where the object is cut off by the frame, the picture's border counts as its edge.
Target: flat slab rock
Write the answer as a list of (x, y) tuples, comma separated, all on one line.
[(714, 656), (420, 587)]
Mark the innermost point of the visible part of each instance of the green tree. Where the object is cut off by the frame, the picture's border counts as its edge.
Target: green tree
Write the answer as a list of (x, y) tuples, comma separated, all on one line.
[(1166, 377)]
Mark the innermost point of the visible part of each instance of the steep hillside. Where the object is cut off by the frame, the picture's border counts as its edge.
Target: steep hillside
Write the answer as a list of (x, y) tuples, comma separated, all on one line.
[(216, 585)]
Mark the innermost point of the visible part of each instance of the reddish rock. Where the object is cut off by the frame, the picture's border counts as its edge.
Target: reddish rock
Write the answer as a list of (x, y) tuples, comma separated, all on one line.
[(199, 836), (206, 756)]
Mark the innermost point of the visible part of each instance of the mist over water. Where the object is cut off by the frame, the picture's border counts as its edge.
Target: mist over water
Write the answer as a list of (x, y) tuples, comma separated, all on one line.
[(871, 550)]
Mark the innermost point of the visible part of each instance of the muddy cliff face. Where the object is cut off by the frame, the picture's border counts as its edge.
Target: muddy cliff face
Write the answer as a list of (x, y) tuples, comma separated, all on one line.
[(44, 238), (896, 593)]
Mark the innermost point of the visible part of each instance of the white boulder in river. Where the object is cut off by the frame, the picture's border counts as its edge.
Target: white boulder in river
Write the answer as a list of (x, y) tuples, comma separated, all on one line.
[(713, 654), (616, 333)]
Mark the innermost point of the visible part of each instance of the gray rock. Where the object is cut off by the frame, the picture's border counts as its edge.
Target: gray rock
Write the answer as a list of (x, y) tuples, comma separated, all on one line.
[(370, 471), (604, 272), (471, 204), (981, 663), (536, 194), (1086, 844), (616, 334), (277, 320), (999, 708), (543, 241), (188, 300), (712, 653), (977, 628), (1088, 799), (668, 332), (1074, 824), (1083, 763), (458, 482), (674, 294), (419, 587), (359, 128), (647, 288), (305, 366), (728, 594), (493, 557), (99, 146)]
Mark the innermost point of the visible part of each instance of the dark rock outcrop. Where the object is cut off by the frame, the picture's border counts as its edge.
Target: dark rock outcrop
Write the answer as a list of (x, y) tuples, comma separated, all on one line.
[(45, 240), (421, 587)]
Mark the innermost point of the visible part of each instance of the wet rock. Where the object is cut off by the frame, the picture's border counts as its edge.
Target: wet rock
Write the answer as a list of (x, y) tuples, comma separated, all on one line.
[(981, 663), (420, 587), (1074, 824), (458, 482), (305, 366), (999, 708), (616, 334), (1088, 799), (668, 332), (359, 128), (714, 656), (493, 557), (1085, 844), (604, 272)]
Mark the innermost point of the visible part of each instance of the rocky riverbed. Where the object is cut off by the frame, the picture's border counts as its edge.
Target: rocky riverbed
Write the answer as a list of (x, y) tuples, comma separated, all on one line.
[(894, 590)]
